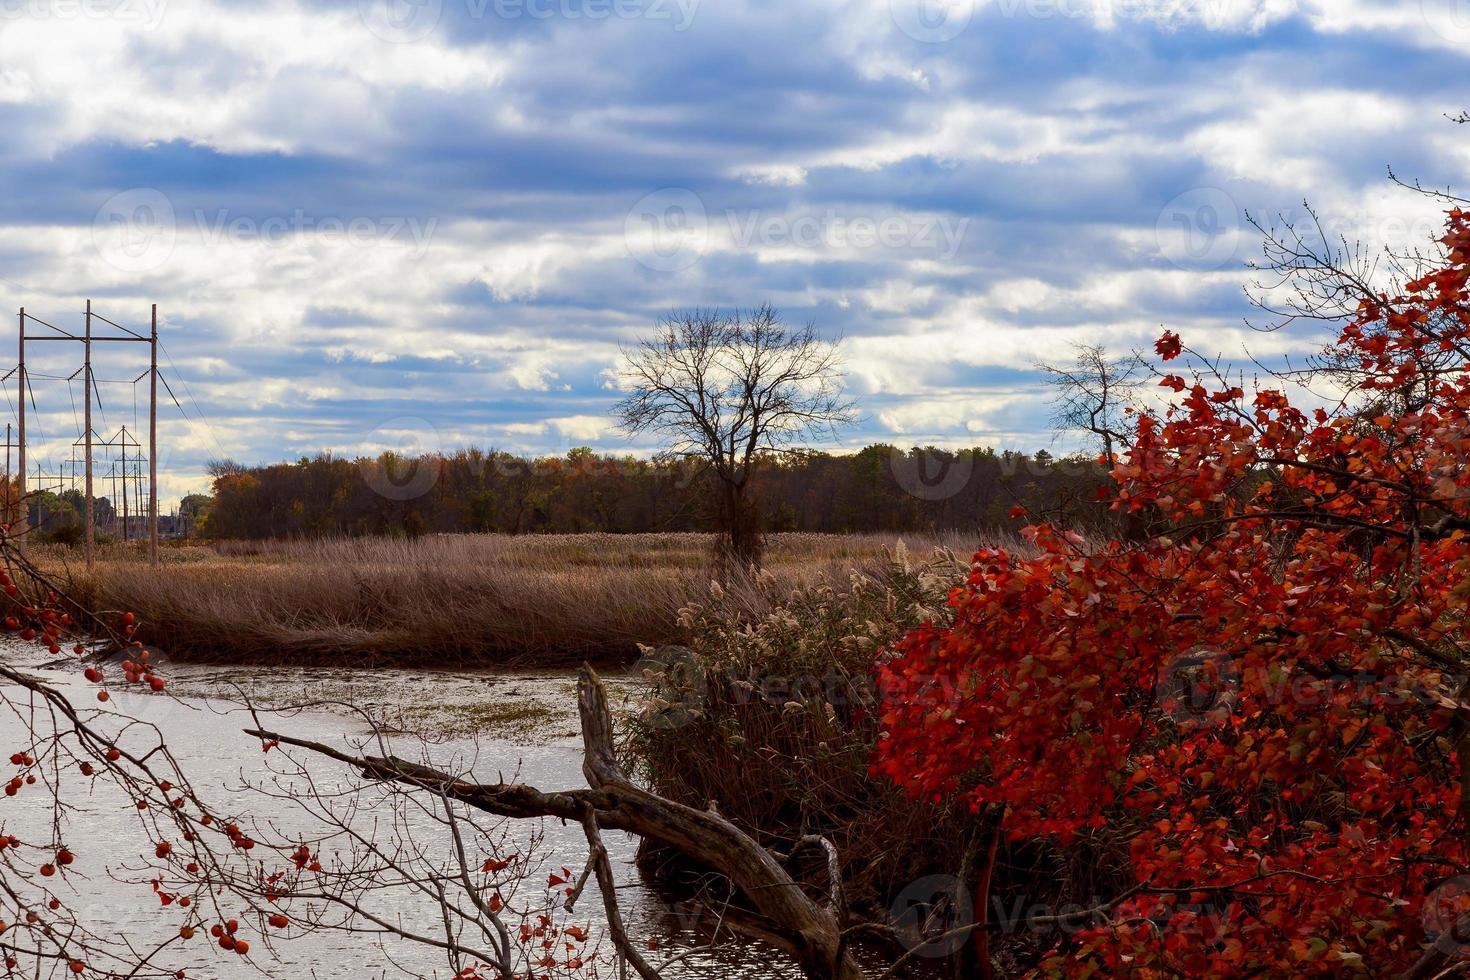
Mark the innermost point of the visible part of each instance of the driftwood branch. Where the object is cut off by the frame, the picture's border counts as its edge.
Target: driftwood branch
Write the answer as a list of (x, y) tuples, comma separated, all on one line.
[(810, 933), (832, 866), (609, 888)]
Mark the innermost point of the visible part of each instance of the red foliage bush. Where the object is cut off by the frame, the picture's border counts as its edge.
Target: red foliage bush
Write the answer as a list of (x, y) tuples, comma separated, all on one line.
[(1267, 697)]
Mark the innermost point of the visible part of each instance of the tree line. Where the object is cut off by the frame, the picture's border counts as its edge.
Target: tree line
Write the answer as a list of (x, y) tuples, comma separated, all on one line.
[(880, 488)]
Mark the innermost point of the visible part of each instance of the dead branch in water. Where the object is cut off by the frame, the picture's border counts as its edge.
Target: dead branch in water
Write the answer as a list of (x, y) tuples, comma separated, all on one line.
[(810, 933)]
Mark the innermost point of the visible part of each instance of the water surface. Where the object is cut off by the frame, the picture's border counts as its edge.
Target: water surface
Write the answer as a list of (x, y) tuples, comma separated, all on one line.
[(203, 723)]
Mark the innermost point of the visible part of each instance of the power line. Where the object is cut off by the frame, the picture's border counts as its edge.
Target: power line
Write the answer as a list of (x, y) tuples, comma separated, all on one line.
[(192, 399)]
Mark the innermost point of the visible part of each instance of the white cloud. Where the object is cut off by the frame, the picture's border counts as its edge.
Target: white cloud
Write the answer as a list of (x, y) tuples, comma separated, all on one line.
[(239, 78), (778, 174), (587, 428)]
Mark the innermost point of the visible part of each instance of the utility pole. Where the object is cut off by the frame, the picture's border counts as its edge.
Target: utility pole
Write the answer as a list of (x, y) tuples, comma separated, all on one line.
[(87, 421), (25, 519), (125, 483), (153, 444)]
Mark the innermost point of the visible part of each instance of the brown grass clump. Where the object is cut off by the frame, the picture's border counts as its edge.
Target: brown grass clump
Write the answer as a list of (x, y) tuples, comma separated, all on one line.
[(540, 599), (772, 718)]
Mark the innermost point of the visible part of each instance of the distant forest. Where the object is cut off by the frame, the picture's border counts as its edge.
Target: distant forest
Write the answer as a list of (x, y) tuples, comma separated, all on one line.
[(881, 488)]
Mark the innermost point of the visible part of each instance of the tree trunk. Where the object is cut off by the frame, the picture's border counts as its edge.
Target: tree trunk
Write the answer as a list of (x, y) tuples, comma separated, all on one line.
[(740, 524)]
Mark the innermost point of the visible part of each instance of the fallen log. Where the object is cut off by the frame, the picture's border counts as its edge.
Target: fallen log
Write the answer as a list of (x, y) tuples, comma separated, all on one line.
[(811, 933)]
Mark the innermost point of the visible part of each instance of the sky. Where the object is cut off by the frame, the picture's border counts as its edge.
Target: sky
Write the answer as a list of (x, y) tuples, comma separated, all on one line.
[(427, 224)]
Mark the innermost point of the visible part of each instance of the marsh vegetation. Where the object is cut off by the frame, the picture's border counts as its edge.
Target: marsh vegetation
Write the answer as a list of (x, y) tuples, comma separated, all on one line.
[(451, 599)]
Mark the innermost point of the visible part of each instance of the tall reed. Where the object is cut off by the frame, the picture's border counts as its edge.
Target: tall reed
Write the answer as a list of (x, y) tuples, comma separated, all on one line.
[(441, 599)]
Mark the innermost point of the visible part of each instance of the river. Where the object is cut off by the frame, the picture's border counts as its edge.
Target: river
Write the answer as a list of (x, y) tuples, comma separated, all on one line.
[(203, 721)]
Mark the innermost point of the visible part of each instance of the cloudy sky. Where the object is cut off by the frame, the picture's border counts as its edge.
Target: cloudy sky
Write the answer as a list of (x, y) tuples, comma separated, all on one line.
[(429, 224)]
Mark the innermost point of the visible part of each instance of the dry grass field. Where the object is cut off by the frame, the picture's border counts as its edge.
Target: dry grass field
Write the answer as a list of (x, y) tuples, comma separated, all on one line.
[(449, 599)]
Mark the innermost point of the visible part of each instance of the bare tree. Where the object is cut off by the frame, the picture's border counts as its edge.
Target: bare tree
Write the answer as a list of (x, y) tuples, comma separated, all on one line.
[(725, 387), (1305, 274), (1092, 392)]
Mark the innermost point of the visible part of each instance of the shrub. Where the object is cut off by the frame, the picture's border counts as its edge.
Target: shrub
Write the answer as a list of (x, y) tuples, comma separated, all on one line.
[(770, 717), (1267, 704)]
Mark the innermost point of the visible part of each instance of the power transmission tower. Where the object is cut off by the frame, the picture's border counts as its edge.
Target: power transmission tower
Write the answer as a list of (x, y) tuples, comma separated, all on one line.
[(153, 438), (89, 382), (90, 517)]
